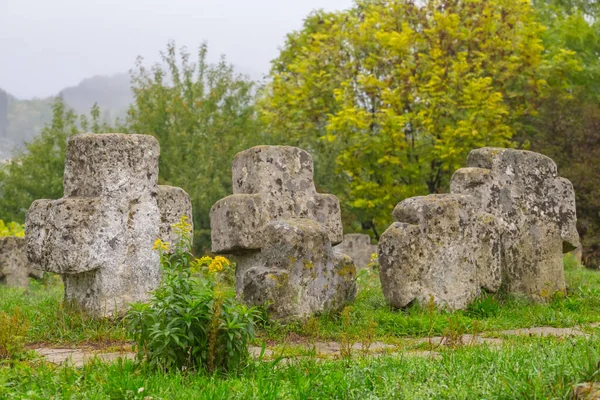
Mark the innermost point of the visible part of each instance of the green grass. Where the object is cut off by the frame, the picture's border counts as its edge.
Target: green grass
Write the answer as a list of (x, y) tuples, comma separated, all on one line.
[(489, 313), (527, 368), (51, 322), (524, 368)]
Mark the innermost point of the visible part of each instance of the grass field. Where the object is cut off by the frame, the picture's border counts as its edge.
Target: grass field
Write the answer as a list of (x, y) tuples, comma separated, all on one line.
[(519, 367)]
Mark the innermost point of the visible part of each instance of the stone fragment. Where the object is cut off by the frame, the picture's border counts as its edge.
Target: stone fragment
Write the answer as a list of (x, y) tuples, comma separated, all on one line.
[(296, 272), (442, 248), (99, 236), (173, 203), (536, 208), (358, 246), (280, 232), (14, 268), (586, 391), (80, 357)]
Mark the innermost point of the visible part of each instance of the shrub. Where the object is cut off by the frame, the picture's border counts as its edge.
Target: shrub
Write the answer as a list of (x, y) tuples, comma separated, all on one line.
[(192, 322)]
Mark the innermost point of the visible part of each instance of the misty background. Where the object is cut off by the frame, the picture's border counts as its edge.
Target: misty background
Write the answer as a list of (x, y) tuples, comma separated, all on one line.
[(83, 50)]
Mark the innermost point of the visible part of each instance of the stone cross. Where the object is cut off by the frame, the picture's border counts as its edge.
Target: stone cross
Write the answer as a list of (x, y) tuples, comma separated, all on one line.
[(537, 210), (281, 232), (14, 268), (100, 235), (442, 248), (506, 224)]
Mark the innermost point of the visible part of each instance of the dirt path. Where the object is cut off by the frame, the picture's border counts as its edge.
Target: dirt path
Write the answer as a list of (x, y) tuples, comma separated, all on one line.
[(421, 347)]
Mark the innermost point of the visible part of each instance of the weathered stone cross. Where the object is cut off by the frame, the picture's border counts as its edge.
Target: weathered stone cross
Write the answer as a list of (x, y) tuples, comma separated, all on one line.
[(281, 231), (100, 235)]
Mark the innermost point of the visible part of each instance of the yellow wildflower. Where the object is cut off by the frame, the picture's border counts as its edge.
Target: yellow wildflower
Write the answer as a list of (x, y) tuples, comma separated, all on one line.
[(182, 227), (160, 245), (222, 260), (205, 260), (215, 266)]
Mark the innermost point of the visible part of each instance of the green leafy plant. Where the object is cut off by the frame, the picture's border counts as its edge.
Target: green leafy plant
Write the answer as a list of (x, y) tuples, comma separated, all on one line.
[(192, 322)]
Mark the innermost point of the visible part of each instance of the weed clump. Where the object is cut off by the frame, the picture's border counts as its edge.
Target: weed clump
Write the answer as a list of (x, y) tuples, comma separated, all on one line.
[(13, 332), (485, 306), (192, 321)]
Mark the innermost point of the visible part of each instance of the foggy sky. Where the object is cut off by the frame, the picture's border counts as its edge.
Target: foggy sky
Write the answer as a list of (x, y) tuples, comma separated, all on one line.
[(46, 45)]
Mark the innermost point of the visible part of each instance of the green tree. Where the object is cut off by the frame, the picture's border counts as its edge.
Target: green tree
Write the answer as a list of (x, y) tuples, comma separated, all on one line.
[(567, 127), (395, 94), (202, 114)]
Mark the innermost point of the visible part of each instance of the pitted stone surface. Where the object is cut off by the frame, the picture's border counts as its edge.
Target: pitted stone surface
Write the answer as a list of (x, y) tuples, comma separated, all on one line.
[(536, 208), (173, 202), (442, 247), (358, 246), (14, 267), (99, 236), (111, 165), (270, 183), (296, 272), (280, 232)]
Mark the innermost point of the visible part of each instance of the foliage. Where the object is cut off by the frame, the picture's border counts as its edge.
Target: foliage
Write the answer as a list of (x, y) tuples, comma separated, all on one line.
[(13, 334), (568, 131), (573, 25), (398, 93), (11, 229), (566, 127), (202, 115), (191, 323)]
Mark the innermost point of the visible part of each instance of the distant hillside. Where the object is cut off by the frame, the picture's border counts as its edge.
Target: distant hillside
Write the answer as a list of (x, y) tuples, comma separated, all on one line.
[(21, 120), (110, 92)]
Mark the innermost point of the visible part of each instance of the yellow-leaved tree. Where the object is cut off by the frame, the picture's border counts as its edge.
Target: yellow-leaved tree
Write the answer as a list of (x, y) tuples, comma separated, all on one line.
[(391, 96), (11, 229)]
